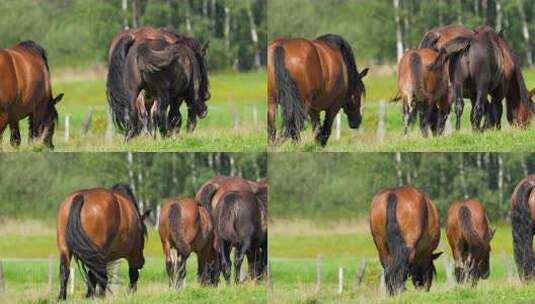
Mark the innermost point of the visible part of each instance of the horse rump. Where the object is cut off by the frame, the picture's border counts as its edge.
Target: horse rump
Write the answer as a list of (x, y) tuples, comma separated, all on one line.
[(86, 253), (523, 231), (177, 230)]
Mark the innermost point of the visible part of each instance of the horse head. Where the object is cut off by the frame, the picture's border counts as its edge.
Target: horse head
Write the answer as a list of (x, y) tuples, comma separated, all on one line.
[(423, 273), (46, 125), (352, 107)]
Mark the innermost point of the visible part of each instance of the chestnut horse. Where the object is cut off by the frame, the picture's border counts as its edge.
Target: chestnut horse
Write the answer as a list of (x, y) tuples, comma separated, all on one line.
[(26, 91), (405, 228), (469, 236), (423, 91), (98, 226), (238, 223), (438, 36), (192, 87), (523, 222), (187, 227), (306, 77)]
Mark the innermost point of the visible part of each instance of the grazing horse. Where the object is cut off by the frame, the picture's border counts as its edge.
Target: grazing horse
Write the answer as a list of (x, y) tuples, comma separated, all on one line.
[(405, 228), (238, 223), (26, 91), (523, 222), (306, 77), (187, 227), (185, 74), (423, 90), (469, 235), (98, 226), (438, 36)]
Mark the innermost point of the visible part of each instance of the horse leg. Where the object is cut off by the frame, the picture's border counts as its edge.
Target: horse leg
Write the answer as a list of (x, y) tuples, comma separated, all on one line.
[(133, 274), (479, 110), (174, 120), (316, 123), (272, 111), (327, 125), (181, 270), (15, 134), (91, 284), (239, 255), (458, 106), (103, 285), (423, 119), (225, 259), (160, 115), (192, 119), (64, 271), (433, 118), (406, 115)]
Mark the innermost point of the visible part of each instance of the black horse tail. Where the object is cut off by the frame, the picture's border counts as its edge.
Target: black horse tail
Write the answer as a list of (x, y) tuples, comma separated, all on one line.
[(120, 102), (417, 78), (523, 231), (177, 230), (429, 41), (467, 229), (206, 195), (453, 48), (356, 86), (86, 253), (397, 271), (293, 110)]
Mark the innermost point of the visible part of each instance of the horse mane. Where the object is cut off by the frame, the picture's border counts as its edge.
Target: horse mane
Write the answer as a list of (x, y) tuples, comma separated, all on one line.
[(355, 82), (34, 46), (126, 189)]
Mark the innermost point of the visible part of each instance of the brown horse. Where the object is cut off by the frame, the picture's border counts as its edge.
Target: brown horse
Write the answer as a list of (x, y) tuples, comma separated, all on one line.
[(98, 226), (469, 235), (306, 77), (523, 222), (26, 91), (187, 227), (423, 90), (405, 228), (438, 36)]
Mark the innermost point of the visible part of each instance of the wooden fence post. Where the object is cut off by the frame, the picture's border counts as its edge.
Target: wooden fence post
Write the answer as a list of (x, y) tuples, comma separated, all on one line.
[(338, 130), (447, 267), (108, 136), (255, 116), (360, 273), (114, 279), (67, 127), (340, 280), (381, 123), (50, 272), (318, 273), (86, 122), (2, 280), (508, 267), (382, 284), (72, 278)]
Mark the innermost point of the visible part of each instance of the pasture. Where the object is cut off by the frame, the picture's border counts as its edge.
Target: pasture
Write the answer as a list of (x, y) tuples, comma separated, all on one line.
[(236, 116), (294, 246), (382, 85), (26, 247)]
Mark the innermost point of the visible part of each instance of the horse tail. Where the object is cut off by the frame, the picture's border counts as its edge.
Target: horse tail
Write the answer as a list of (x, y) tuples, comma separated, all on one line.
[(417, 78), (523, 231), (397, 271), (120, 102), (429, 41), (86, 253), (454, 47), (228, 214), (355, 82), (177, 230), (206, 195), (293, 110), (467, 228)]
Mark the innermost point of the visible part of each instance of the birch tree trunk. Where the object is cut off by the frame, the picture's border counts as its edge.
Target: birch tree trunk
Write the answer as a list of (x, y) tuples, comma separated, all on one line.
[(169, 13), (399, 38), (205, 8), (498, 16), (484, 11), (440, 13), (213, 13), (130, 161), (525, 30), (460, 12), (500, 180), (398, 169), (226, 29), (461, 175), (135, 14), (125, 14), (188, 17), (254, 34)]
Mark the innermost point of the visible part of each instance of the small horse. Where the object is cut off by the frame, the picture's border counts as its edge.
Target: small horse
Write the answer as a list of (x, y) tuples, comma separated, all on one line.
[(238, 224), (306, 77), (405, 228), (185, 74), (187, 227), (523, 222), (438, 36), (469, 236), (26, 91), (98, 226), (423, 90)]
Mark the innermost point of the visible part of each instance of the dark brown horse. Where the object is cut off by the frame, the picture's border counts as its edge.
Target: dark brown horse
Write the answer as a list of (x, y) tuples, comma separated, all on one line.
[(187, 227), (306, 77), (98, 226), (438, 36), (423, 91), (238, 223), (469, 235), (185, 74), (523, 222), (26, 91), (405, 228)]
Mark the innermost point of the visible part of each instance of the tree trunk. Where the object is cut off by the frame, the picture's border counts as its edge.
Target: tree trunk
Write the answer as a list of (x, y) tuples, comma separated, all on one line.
[(440, 13), (476, 8), (498, 16), (135, 15), (460, 12), (188, 17), (125, 14), (205, 8), (130, 161), (169, 13), (500, 181), (226, 29), (525, 30), (399, 38), (213, 13), (398, 169), (461, 175), (484, 11), (254, 34)]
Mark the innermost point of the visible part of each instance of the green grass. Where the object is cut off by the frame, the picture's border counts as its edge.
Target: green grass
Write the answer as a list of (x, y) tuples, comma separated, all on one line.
[(384, 87), (229, 126), (293, 254), (25, 259)]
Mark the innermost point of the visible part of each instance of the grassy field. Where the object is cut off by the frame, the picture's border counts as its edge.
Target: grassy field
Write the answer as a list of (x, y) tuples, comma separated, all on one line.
[(25, 248), (384, 87), (293, 250), (236, 116)]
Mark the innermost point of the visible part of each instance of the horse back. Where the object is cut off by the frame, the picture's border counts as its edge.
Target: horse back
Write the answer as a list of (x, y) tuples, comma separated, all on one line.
[(232, 183), (478, 219), (9, 86)]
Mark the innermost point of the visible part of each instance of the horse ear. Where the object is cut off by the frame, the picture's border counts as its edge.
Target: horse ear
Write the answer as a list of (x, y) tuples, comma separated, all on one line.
[(146, 215), (436, 255), (204, 47), (491, 234), (57, 98), (363, 73)]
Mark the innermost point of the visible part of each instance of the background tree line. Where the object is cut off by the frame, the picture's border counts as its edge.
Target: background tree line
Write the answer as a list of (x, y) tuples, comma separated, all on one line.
[(380, 30), (32, 185), (341, 185), (78, 32)]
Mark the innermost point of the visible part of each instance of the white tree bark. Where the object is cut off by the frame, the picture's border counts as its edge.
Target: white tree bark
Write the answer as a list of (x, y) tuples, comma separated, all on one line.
[(125, 14), (226, 30), (500, 180), (135, 15), (461, 175), (525, 30), (398, 169), (188, 17), (484, 11), (498, 15), (254, 34), (399, 38), (460, 12)]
